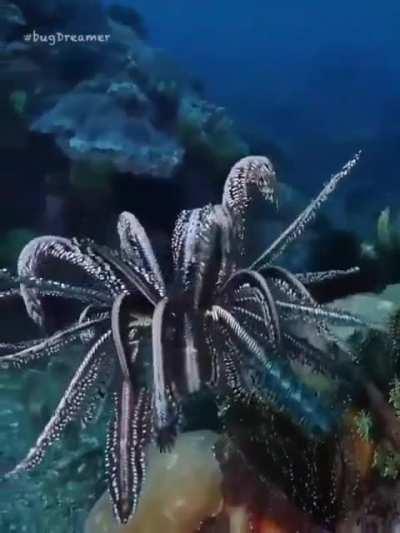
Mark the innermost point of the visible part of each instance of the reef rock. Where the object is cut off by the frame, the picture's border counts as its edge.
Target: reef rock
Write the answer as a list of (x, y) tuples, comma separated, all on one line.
[(181, 490), (204, 485), (373, 308), (116, 99), (208, 132), (81, 123)]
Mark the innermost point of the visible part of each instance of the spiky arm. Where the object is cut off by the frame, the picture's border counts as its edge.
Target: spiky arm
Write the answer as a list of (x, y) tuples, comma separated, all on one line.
[(137, 251), (47, 347), (37, 252), (250, 175), (297, 227), (256, 282), (9, 293), (69, 407), (272, 382), (165, 408), (47, 287), (314, 278), (129, 434), (235, 328), (126, 351), (334, 316)]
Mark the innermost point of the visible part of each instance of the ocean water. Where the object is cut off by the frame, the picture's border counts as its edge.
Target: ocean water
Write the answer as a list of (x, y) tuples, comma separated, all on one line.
[(130, 326), (299, 74)]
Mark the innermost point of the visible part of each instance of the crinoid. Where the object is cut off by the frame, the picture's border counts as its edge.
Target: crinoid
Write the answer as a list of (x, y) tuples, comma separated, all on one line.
[(231, 330)]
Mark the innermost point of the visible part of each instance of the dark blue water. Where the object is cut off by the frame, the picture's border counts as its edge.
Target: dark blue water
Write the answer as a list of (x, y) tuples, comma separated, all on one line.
[(305, 75)]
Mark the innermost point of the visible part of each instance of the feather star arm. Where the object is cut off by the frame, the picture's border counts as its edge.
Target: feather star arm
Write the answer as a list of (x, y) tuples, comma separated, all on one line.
[(69, 407), (297, 227)]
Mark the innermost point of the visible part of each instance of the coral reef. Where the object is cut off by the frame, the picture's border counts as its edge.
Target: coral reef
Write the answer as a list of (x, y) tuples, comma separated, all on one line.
[(208, 133), (80, 122), (104, 124), (120, 101), (203, 485), (378, 354)]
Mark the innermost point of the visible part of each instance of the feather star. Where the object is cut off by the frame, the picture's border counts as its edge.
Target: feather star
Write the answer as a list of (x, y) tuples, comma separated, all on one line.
[(218, 326)]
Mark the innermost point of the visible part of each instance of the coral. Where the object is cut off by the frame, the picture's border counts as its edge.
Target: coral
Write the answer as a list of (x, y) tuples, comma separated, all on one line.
[(384, 371), (394, 395), (127, 93), (359, 442), (112, 105), (387, 462), (208, 133), (121, 102), (80, 121), (364, 425)]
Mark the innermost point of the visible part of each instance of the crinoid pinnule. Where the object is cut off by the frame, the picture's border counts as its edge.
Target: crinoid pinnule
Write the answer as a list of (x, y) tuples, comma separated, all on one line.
[(238, 331)]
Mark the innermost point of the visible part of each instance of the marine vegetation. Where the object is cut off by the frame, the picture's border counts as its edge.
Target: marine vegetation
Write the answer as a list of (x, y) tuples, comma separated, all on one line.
[(385, 371), (241, 331), (383, 252)]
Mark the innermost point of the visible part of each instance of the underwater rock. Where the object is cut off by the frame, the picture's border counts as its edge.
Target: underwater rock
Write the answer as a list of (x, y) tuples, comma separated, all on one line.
[(117, 104), (371, 307), (81, 123), (129, 95), (392, 293), (120, 101), (186, 492), (182, 489), (374, 308), (208, 133)]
